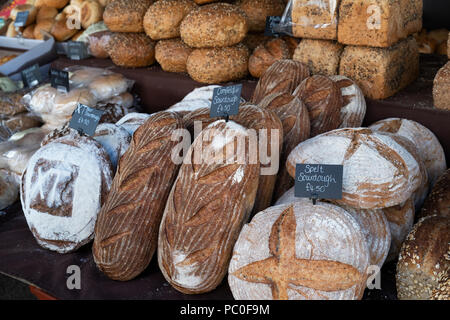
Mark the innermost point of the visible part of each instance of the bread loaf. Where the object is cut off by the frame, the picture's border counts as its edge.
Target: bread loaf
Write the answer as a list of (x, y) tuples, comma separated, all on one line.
[(114, 139), (112, 112), (9, 188), (126, 15), (296, 129), (127, 227), (252, 40), (258, 10), (427, 144), (401, 221), (315, 19), (214, 25), (354, 104), (381, 72), (424, 259), (217, 65), (131, 50), (283, 76), (46, 13), (378, 23), (28, 32), (378, 171), (323, 98), (62, 31), (91, 12), (98, 44), (300, 251), (441, 88), (163, 18), (63, 188), (438, 202), (108, 86), (132, 121), (11, 103), (210, 201), (58, 4), (321, 56), (41, 27), (172, 55), (125, 100), (266, 54)]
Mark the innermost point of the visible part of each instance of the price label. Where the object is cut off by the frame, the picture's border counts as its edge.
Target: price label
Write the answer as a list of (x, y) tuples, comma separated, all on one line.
[(272, 26), (77, 50), (226, 101), (32, 76), (60, 80), (21, 19), (85, 119), (318, 181)]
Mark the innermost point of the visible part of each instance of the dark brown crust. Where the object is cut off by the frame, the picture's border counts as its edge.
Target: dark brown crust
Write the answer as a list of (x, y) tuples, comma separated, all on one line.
[(266, 54), (131, 50), (438, 201), (258, 10)]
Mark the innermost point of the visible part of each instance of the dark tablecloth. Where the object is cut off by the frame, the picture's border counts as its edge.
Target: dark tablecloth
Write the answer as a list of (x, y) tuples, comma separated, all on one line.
[(23, 259)]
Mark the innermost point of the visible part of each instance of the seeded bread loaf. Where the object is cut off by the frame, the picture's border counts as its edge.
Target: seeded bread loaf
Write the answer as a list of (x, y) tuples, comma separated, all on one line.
[(441, 88), (126, 231), (131, 50), (126, 15), (172, 55)]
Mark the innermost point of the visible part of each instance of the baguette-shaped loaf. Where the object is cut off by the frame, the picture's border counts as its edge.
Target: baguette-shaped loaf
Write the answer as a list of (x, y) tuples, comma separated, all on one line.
[(296, 129), (378, 171), (126, 231), (207, 207)]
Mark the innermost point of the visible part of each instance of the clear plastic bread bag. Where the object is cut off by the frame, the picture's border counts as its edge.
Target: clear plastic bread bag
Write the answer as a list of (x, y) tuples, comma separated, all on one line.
[(312, 19)]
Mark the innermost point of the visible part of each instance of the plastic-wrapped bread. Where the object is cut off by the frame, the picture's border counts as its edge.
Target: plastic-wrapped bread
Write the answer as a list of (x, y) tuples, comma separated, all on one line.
[(126, 231), (378, 171), (207, 207), (300, 251)]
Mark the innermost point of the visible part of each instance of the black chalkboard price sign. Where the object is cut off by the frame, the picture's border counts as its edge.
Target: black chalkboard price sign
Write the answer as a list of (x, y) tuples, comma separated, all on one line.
[(77, 50), (21, 19), (226, 101), (60, 80), (272, 26), (85, 119), (318, 181), (31, 76)]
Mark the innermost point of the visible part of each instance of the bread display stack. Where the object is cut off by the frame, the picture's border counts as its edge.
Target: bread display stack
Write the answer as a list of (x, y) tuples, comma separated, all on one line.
[(128, 46)]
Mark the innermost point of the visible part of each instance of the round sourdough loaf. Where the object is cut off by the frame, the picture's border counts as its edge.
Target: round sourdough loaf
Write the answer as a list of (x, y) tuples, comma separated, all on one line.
[(283, 76), (427, 144), (252, 40), (300, 251), (323, 99), (424, 259), (217, 65), (401, 221), (438, 201), (163, 18), (214, 25), (114, 139), (373, 223), (378, 171), (126, 15), (172, 55), (9, 188), (132, 121), (131, 50), (258, 10), (354, 104), (266, 54), (296, 129), (210, 200), (112, 112), (63, 188)]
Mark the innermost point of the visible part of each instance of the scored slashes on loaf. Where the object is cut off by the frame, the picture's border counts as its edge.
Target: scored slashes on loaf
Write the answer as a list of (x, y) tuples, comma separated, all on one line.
[(63, 188), (300, 251), (209, 202), (378, 171), (127, 227)]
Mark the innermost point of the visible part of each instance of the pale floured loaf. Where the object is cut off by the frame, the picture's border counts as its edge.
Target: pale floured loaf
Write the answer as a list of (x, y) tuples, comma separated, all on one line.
[(126, 231), (378, 172), (63, 188), (428, 146), (114, 139), (207, 207), (300, 251), (132, 121), (424, 259), (283, 76), (9, 188), (296, 129)]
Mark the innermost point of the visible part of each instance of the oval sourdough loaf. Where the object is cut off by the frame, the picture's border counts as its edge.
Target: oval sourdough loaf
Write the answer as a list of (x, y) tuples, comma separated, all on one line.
[(373, 223), (132, 121), (296, 129), (283, 76), (427, 144), (300, 251), (211, 199), (63, 188), (323, 98), (126, 231), (438, 202), (424, 260), (378, 171)]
